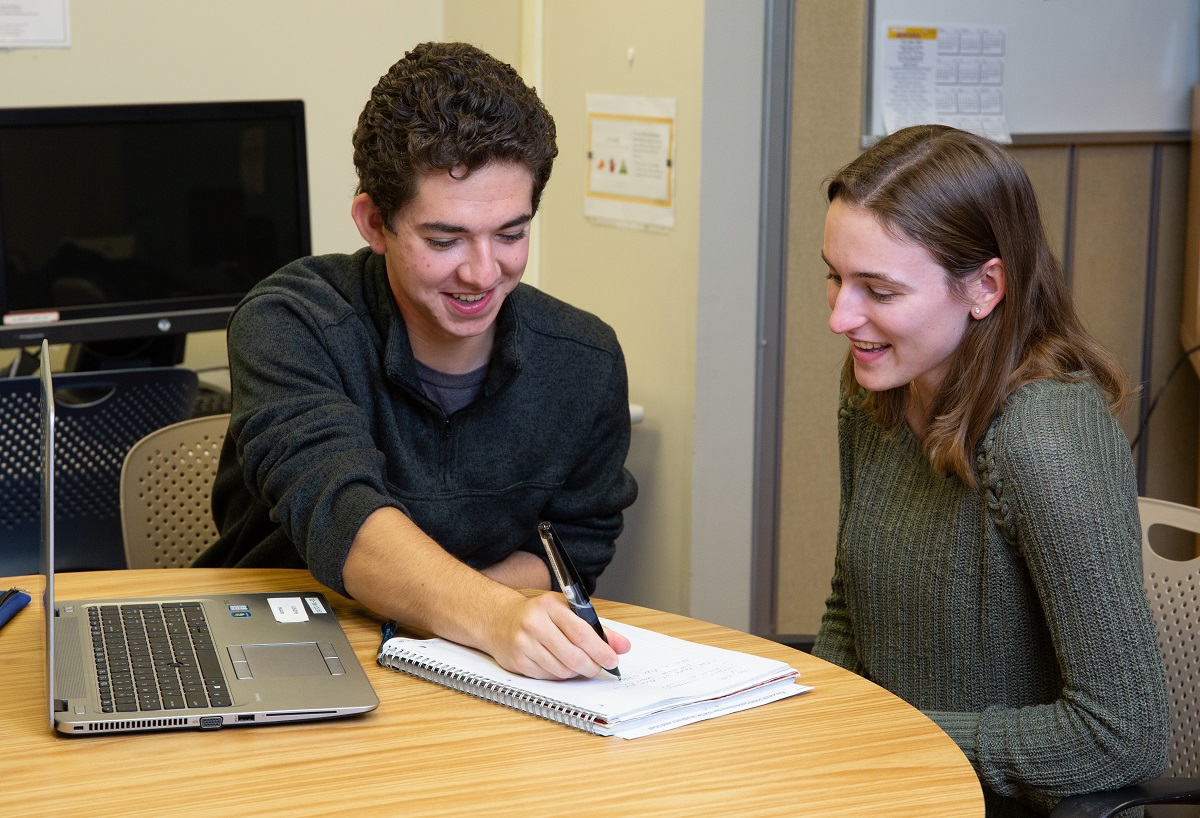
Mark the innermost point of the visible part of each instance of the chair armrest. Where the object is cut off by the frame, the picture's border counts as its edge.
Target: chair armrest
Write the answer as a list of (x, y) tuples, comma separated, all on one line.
[(1110, 802)]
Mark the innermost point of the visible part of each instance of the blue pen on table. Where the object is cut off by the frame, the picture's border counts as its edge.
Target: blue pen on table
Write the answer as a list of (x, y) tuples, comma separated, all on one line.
[(571, 583)]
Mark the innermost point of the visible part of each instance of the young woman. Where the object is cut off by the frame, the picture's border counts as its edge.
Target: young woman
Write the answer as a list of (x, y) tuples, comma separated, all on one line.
[(989, 550)]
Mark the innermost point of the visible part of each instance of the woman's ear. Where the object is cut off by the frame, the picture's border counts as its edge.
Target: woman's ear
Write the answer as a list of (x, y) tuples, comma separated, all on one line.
[(989, 288), (369, 222)]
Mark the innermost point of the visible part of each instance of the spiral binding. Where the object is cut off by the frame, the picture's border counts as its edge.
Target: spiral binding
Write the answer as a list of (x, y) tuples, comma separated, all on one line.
[(449, 676)]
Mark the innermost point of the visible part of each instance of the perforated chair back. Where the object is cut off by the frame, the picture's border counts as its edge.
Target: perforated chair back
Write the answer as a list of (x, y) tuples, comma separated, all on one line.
[(100, 416), (1174, 590), (166, 493)]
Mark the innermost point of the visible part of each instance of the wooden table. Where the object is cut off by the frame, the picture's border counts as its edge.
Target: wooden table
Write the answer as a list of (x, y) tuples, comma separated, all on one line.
[(846, 748)]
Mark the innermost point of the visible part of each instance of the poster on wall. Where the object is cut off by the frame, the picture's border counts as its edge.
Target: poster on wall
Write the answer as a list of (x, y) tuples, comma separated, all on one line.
[(953, 75), (35, 24), (630, 180)]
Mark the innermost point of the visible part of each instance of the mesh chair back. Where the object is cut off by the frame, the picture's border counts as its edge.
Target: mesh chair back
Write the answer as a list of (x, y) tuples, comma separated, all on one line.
[(1174, 590), (100, 416), (166, 493)]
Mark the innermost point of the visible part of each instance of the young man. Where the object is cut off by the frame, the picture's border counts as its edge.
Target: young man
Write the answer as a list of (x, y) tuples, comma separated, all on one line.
[(403, 417)]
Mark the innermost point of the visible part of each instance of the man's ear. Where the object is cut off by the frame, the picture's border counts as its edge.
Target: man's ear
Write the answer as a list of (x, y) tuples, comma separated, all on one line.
[(369, 221), (989, 288)]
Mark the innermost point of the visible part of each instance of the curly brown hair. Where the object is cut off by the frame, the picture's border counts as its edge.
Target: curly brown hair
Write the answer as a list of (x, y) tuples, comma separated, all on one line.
[(446, 106)]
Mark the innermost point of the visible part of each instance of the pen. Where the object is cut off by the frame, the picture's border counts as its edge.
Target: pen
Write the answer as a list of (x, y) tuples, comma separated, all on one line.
[(571, 584), (386, 631)]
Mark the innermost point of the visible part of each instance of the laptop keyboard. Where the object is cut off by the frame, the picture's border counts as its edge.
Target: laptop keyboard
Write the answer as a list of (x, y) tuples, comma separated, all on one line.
[(155, 657)]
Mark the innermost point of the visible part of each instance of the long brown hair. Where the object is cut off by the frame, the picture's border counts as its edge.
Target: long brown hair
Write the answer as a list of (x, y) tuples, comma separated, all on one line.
[(966, 200)]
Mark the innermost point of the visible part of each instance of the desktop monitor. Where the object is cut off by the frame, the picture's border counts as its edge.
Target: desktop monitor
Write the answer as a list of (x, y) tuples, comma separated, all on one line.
[(124, 227)]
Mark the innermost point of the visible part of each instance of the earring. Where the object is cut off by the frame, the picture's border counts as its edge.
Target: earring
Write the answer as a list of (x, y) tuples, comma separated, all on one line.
[(976, 310)]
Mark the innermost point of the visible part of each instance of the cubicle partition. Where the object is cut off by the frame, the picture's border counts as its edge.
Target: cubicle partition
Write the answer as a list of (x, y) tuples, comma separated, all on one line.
[(1114, 204)]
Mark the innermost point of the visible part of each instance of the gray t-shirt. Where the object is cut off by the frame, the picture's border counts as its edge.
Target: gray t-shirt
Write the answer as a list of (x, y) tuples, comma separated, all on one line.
[(451, 392)]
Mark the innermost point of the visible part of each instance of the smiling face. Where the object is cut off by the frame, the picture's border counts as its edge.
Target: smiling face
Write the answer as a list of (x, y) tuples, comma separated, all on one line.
[(892, 301), (453, 254)]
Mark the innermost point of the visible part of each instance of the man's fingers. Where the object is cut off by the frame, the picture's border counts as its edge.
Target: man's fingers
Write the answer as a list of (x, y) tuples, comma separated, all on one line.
[(591, 654), (617, 641), (549, 641)]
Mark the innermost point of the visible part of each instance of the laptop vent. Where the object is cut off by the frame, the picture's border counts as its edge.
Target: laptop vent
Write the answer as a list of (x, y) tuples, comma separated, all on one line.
[(69, 680), (136, 724)]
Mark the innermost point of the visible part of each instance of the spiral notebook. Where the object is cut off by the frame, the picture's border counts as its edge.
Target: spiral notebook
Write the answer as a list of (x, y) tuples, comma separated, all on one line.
[(665, 683)]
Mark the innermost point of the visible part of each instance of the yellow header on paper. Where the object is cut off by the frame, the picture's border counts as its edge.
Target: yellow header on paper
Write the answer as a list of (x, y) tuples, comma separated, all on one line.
[(911, 33)]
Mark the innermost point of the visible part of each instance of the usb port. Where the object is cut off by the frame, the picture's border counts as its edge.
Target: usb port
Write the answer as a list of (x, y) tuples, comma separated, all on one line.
[(245, 717)]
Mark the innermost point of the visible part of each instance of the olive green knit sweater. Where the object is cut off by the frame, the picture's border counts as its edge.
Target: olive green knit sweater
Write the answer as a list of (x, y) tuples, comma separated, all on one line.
[(1011, 613)]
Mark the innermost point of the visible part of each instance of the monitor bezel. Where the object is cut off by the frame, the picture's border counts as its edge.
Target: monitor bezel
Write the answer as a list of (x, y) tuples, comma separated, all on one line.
[(157, 318)]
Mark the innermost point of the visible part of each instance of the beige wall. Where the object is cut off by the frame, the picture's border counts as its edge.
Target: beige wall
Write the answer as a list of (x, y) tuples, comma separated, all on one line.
[(643, 284), (496, 26)]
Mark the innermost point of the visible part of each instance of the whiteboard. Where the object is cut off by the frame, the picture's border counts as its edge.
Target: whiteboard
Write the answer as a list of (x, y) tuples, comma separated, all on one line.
[(1071, 66)]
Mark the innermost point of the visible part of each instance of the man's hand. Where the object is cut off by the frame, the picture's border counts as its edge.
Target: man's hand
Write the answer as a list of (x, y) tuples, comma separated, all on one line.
[(542, 637), (397, 571)]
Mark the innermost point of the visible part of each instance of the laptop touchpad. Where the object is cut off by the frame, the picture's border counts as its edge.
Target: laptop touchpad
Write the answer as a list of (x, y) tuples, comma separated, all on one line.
[(294, 659)]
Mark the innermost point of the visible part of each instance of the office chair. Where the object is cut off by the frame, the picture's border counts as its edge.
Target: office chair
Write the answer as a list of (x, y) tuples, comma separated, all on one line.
[(1174, 590), (166, 493), (100, 415)]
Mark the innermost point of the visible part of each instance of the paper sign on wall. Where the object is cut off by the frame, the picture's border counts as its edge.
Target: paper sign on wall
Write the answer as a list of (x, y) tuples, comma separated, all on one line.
[(35, 24), (948, 75), (630, 181)]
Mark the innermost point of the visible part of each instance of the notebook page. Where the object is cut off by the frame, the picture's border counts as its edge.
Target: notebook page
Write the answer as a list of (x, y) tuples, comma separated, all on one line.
[(689, 714), (659, 672)]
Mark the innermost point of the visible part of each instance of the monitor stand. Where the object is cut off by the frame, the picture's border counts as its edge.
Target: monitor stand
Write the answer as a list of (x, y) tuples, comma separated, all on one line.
[(136, 353), (126, 353)]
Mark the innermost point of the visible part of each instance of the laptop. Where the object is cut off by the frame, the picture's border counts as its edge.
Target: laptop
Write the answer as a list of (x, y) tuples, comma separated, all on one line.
[(193, 662)]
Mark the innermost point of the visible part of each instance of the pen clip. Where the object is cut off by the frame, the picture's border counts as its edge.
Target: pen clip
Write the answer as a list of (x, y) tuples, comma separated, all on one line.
[(572, 588)]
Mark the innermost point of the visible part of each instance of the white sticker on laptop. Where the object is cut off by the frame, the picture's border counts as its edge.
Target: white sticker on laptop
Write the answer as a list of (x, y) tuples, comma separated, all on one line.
[(314, 605), (288, 609)]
